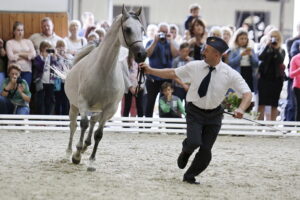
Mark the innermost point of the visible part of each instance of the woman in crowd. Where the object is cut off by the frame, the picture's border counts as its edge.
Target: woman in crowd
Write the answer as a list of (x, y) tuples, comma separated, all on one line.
[(243, 58), (74, 42), (130, 71), (197, 31), (271, 71), (21, 51), (3, 63), (15, 95)]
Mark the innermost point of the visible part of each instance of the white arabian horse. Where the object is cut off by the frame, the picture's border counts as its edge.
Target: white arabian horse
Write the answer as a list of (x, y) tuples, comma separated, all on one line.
[(95, 83)]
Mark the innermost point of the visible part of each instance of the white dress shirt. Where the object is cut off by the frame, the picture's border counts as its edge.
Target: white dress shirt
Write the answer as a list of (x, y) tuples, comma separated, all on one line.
[(222, 78), (37, 38)]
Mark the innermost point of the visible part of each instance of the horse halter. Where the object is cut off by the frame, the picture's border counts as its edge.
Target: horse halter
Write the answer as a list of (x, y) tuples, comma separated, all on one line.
[(126, 42)]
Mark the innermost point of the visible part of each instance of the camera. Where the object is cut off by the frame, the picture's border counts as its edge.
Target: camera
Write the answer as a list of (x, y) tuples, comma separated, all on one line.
[(162, 36), (19, 80), (50, 50), (273, 41)]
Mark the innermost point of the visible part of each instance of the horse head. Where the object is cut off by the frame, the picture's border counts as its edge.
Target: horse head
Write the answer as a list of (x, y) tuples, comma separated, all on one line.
[(131, 34)]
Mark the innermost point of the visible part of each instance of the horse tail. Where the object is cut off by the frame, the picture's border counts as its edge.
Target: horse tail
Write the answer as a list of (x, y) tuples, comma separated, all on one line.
[(84, 52)]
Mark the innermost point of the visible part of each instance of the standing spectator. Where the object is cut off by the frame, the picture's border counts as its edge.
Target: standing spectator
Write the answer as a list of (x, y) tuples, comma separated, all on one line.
[(89, 30), (46, 34), (174, 30), (215, 31), (161, 51), (181, 86), (242, 57), (64, 62), (87, 19), (194, 13), (130, 71), (271, 74), (74, 42), (3, 63), (101, 33), (21, 52), (44, 79), (290, 108), (170, 106), (150, 33), (295, 75), (197, 31), (15, 97), (226, 34)]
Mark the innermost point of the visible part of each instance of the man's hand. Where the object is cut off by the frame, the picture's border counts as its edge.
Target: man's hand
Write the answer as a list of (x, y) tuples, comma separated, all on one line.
[(145, 67), (238, 113)]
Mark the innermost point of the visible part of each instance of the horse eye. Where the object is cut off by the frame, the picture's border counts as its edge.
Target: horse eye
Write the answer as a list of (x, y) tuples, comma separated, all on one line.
[(128, 30)]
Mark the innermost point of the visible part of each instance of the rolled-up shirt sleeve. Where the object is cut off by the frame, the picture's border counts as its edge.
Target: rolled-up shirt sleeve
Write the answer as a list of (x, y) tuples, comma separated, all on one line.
[(183, 72)]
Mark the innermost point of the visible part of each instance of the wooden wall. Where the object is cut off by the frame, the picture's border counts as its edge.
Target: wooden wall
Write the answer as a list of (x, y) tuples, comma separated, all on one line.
[(32, 23)]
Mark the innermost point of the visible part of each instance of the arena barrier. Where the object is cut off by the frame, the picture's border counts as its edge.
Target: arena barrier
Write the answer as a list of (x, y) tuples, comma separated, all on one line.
[(230, 125)]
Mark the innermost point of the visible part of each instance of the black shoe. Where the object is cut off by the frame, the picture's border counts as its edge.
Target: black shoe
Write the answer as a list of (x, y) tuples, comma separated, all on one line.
[(191, 181), (183, 159)]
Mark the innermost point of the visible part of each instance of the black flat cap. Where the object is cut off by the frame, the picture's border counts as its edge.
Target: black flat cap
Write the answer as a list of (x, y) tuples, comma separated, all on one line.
[(217, 43)]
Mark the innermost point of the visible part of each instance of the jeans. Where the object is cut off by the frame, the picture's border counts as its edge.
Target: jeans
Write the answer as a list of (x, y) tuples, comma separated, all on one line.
[(2, 78), (7, 107), (27, 76)]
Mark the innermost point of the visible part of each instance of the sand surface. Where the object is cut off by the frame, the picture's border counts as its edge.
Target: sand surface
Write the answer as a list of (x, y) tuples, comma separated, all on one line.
[(143, 166)]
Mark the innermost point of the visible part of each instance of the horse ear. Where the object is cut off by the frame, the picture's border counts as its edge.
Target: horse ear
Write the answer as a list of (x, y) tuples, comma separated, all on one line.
[(139, 11), (125, 12)]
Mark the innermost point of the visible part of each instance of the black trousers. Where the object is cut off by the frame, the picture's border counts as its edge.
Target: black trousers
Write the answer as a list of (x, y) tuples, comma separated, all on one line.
[(139, 104), (203, 127), (153, 88), (297, 96)]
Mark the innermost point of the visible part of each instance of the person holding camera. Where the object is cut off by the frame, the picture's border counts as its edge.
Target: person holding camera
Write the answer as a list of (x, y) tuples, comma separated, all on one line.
[(161, 51), (21, 51), (271, 74), (43, 79), (15, 95)]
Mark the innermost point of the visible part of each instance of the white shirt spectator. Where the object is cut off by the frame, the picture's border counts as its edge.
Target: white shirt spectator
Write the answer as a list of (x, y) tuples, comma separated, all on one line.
[(37, 38), (75, 46), (222, 78)]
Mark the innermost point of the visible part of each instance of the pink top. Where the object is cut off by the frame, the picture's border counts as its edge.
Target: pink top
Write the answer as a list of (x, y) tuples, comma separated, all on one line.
[(295, 70), (14, 47)]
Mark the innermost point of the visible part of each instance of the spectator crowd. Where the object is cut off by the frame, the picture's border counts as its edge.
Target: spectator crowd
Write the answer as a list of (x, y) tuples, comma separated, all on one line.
[(29, 83)]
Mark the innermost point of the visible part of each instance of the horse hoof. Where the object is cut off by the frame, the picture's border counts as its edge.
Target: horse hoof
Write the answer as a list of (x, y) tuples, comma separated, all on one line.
[(91, 169), (76, 160)]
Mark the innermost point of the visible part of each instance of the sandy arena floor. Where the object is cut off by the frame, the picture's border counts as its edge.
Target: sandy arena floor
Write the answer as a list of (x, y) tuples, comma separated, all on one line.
[(143, 166)]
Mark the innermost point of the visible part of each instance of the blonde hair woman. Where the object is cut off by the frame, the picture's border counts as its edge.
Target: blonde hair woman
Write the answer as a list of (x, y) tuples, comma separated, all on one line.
[(271, 72), (74, 42)]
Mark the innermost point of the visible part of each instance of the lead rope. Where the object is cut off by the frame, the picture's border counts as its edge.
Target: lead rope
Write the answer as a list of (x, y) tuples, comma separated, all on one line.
[(141, 80)]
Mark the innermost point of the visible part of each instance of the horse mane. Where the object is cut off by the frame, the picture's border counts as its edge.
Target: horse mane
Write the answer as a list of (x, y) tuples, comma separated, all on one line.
[(90, 47)]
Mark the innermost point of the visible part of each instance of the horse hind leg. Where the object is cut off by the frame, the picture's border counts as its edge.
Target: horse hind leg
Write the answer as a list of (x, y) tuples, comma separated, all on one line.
[(84, 124), (73, 126), (88, 140)]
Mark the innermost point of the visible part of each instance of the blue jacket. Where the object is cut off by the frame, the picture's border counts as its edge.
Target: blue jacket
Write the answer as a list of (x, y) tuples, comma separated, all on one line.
[(234, 60)]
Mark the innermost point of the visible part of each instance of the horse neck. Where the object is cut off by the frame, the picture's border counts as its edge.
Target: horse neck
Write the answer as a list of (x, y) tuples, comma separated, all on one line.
[(109, 49)]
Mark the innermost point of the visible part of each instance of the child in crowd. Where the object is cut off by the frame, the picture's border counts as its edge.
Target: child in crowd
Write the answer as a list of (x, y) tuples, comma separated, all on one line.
[(43, 77), (170, 106), (181, 87), (194, 13), (63, 65)]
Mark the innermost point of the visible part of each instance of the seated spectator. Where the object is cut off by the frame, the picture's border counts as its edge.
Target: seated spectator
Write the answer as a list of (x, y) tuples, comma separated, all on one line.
[(130, 72), (15, 95), (3, 63), (194, 13), (242, 57), (74, 42), (64, 63), (21, 52), (170, 105), (43, 78), (47, 34), (197, 31), (181, 86)]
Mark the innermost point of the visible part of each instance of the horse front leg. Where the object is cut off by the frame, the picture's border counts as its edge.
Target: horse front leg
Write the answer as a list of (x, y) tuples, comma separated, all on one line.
[(84, 124), (73, 126), (88, 140), (97, 137)]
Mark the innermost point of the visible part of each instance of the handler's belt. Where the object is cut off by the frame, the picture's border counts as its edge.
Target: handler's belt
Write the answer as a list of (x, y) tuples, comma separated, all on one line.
[(205, 110)]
